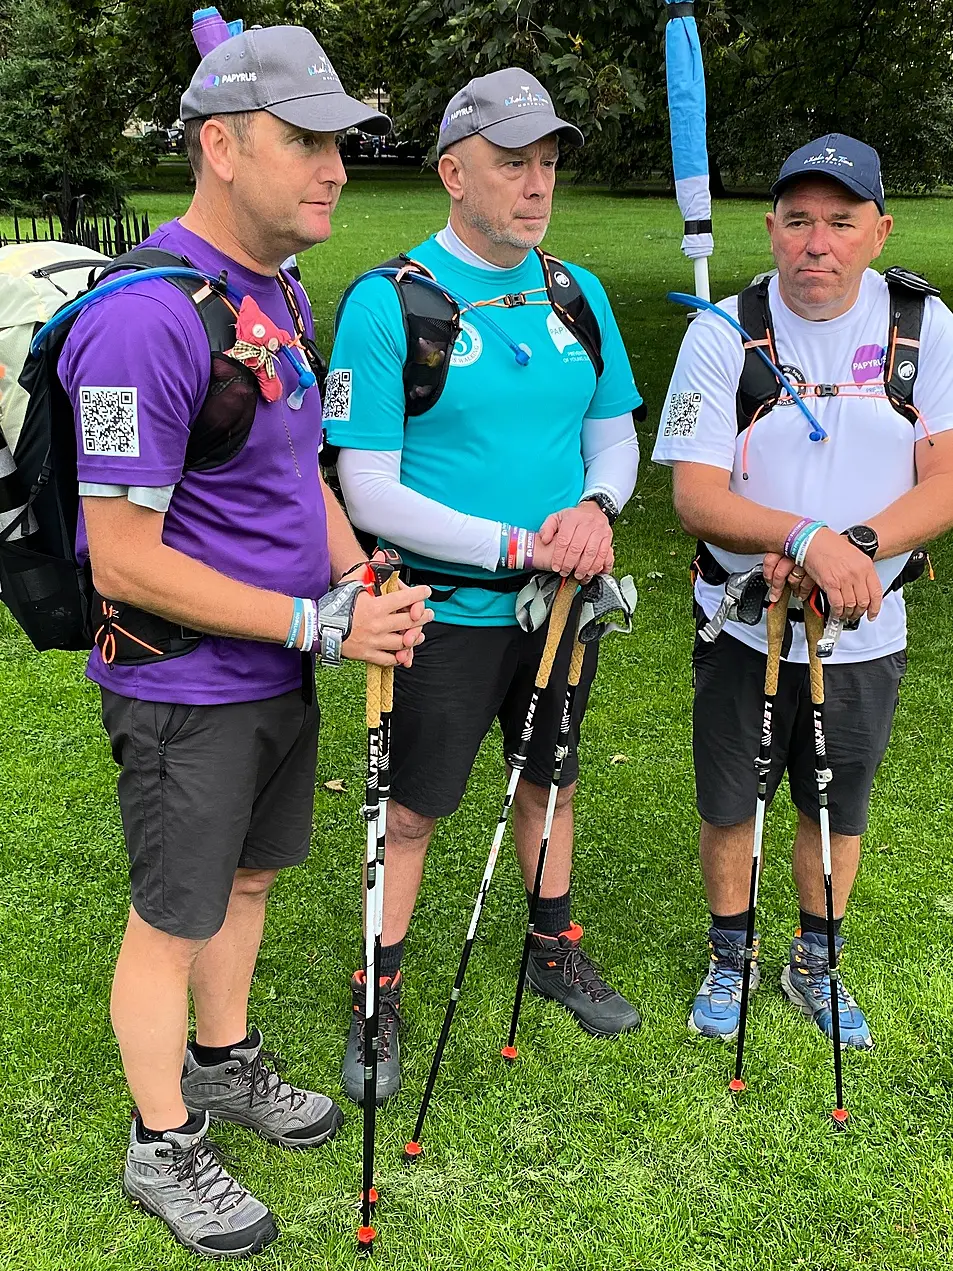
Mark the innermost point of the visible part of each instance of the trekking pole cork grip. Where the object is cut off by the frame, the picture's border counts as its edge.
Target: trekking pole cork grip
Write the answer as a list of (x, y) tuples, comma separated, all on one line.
[(776, 620), (813, 630), (575, 663), (374, 681), (557, 625), (387, 672)]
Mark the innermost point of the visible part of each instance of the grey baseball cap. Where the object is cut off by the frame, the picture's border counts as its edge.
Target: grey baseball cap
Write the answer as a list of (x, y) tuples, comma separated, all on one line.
[(281, 69), (510, 108)]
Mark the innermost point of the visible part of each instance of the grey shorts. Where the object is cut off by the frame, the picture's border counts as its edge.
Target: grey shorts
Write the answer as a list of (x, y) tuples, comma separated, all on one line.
[(860, 700), (204, 790)]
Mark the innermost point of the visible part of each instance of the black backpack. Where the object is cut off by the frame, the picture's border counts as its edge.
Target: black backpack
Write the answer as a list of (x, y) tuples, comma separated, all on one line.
[(48, 591), (758, 388)]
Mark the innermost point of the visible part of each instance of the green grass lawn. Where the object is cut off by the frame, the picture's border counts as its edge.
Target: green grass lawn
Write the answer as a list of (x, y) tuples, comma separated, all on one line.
[(624, 1155)]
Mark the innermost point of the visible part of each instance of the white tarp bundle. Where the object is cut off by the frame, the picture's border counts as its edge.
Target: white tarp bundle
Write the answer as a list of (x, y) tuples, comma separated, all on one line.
[(27, 301)]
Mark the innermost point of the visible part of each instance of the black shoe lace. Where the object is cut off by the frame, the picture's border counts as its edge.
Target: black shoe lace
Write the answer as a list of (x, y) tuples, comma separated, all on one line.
[(579, 969), (263, 1078), (201, 1168), (389, 1021)]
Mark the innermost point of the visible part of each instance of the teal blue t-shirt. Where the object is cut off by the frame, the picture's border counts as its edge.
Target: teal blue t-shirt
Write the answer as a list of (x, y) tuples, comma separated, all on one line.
[(504, 441)]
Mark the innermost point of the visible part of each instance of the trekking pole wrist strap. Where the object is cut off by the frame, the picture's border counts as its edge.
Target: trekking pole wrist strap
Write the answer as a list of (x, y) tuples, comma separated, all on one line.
[(335, 617)]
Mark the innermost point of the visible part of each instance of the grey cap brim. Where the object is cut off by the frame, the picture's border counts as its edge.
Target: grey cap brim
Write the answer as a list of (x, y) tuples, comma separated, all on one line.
[(846, 181), (512, 134), (331, 112)]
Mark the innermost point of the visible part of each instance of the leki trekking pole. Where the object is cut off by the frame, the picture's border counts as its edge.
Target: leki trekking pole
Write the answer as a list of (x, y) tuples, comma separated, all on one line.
[(814, 631), (562, 749), (379, 702), (517, 762), (775, 623)]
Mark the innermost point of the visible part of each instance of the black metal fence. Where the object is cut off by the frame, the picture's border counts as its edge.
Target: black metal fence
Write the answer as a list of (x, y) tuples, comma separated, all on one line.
[(110, 234)]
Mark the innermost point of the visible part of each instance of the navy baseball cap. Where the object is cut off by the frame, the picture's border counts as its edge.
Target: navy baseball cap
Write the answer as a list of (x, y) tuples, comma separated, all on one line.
[(854, 164)]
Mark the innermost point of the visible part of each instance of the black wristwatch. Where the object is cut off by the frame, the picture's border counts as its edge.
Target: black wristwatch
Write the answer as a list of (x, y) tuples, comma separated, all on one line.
[(605, 502), (864, 539)]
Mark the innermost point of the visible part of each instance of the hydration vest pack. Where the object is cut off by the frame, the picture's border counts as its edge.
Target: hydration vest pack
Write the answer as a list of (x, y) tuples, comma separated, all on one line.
[(49, 592), (431, 317), (759, 390)]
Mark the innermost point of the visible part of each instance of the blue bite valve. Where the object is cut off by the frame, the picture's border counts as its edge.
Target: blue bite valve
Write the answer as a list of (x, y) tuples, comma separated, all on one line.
[(306, 379)]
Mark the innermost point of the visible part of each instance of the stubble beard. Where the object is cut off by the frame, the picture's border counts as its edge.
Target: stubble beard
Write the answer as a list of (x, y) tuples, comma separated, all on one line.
[(505, 237)]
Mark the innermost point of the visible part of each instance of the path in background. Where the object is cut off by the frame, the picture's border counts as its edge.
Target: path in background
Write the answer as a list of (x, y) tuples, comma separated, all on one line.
[(587, 1153)]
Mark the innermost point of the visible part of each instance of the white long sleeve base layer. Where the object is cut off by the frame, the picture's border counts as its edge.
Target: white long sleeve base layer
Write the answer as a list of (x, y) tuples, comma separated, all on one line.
[(379, 504)]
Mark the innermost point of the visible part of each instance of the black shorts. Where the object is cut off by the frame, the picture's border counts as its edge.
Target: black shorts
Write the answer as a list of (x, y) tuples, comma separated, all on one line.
[(204, 790), (859, 703), (444, 705)]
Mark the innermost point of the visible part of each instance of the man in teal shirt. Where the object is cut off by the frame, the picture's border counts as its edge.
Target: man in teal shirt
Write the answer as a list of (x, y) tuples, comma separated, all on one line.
[(522, 462)]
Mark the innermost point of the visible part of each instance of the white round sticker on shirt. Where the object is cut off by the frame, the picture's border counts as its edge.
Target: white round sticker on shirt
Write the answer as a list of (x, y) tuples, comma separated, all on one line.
[(468, 346)]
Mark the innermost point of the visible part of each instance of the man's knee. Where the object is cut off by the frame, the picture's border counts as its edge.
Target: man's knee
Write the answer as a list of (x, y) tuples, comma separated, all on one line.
[(408, 830), (159, 948), (533, 796), (253, 884)]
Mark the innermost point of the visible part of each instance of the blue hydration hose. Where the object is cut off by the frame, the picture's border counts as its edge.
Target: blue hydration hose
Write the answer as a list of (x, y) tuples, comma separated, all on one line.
[(520, 352), (696, 302), (306, 377)]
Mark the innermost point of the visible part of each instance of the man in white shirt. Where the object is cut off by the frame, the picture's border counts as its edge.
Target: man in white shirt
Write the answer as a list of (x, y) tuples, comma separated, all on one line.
[(755, 482)]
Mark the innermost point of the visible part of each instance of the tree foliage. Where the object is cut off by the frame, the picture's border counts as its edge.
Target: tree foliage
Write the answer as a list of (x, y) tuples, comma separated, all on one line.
[(74, 72)]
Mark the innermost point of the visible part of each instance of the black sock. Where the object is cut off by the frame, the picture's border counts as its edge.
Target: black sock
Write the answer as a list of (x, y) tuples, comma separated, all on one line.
[(208, 1056), (817, 926), (552, 914), (391, 957), (730, 922), (145, 1135)]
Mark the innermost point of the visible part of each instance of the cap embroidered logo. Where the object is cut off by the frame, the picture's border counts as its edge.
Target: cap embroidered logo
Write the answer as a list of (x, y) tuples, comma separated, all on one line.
[(829, 157)]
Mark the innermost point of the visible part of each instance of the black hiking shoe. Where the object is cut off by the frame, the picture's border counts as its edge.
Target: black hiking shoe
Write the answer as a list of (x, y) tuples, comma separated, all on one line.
[(559, 969), (388, 1054)]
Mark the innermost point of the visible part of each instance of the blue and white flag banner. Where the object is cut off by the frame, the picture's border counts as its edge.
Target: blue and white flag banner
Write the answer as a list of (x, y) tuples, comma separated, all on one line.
[(685, 80)]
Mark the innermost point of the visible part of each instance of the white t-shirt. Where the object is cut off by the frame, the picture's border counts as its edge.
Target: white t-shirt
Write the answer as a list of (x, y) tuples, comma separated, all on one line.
[(867, 463)]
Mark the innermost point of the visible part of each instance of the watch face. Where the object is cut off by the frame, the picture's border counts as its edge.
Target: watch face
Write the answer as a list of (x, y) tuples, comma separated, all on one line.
[(864, 537)]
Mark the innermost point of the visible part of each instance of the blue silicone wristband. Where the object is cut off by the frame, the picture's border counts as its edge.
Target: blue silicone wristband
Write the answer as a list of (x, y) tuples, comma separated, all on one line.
[(295, 627)]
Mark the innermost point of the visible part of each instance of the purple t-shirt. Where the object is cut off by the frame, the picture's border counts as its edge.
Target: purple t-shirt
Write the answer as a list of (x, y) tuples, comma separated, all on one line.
[(259, 518)]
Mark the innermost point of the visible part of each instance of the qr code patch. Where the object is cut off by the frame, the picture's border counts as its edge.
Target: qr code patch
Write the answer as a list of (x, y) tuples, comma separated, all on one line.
[(684, 410), (109, 421), (337, 396)]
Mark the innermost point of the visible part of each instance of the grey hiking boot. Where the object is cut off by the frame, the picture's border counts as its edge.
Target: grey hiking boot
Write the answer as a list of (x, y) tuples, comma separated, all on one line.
[(181, 1180), (560, 969), (248, 1089), (388, 1052)]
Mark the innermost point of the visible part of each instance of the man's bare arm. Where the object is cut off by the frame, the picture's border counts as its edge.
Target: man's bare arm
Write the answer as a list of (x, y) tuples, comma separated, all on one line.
[(709, 510), (926, 511), (132, 565)]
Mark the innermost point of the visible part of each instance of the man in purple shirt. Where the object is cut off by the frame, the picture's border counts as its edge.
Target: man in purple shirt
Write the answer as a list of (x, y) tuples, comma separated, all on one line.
[(217, 739)]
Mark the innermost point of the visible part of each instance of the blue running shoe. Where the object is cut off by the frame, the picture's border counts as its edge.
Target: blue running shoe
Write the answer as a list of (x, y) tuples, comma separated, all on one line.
[(806, 982), (716, 1011)]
